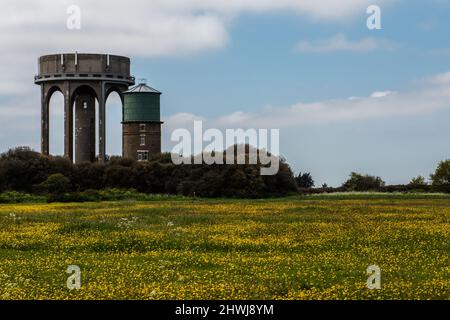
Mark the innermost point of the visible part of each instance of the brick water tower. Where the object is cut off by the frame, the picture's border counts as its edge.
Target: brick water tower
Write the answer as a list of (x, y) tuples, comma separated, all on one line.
[(141, 122)]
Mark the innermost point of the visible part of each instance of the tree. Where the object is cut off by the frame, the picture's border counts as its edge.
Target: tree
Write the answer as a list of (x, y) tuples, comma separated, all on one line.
[(441, 177), (117, 176), (304, 180), (359, 182), (418, 182), (21, 169), (56, 184), (27, 171)]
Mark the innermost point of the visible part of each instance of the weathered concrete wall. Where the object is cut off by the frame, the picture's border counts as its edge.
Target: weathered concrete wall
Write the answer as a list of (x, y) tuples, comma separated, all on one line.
[(82, 63)]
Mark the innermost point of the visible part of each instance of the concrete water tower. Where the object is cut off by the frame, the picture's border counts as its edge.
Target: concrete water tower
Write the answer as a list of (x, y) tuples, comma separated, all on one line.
[(141, 122), (82, 79)]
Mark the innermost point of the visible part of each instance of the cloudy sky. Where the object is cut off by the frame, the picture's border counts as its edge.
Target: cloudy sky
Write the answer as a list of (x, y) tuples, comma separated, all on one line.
[(344, 97)]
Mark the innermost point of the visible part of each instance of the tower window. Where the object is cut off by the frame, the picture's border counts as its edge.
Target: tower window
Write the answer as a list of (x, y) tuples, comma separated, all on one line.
[(85, 105), (142, 155), (142, 127), (142, 140)]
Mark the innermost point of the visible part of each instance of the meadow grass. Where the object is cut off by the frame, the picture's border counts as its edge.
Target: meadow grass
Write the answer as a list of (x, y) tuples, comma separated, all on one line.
[(314, 247)]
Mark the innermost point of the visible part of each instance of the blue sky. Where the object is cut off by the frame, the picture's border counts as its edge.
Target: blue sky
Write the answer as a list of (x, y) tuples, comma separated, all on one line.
[(260, 66), (250, 63)]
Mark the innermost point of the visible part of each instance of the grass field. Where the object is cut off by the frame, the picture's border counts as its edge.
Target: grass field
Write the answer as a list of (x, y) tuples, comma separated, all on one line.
[(173, 248)]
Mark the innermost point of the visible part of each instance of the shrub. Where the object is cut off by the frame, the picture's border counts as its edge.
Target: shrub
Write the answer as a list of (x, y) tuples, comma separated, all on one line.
[(305, 180), (100, 195), (359, 182), (117, 176), (89, 176), (56, 184), (21, 169), (118, 194), (441, 178), (418, 182), (27, 171), (19, 197)]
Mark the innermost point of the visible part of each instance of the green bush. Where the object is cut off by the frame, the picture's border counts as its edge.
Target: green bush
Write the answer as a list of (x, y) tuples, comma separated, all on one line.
[(359, 182), (101, 195), (304, 180), (441, 178), (418, 181), (19, 197), (119, 194), (27, 171), (56, 184)]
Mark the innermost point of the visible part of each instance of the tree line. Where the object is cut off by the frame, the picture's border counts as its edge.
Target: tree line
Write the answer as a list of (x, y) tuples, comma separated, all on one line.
[(24, 170), (439, 182)]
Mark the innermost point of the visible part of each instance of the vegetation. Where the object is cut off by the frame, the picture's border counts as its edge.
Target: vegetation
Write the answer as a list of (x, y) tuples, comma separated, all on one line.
[(19, 197), (418, 182), (305, 180), (441, 178), (359, 182), (314, 247), (26, 171), (56, 184), (106, 195)]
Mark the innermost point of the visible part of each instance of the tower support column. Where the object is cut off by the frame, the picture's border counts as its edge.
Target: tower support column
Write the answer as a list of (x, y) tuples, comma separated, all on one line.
[(68, 123), (44, 122), (85, 127), (102, 124)]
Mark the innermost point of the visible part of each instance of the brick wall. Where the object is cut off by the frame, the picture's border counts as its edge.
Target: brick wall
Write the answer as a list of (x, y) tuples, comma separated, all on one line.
[(132, 138)]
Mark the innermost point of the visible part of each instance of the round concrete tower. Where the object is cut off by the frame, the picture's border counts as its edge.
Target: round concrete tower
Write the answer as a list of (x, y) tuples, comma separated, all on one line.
[(141, 122)]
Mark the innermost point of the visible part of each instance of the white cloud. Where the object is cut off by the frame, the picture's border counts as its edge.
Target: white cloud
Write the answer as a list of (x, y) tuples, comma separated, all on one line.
[(432, 96), (147, 28), (381, 94), (181, 120), (322, 9), (340, 42), (440, 79), (137, 28)]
